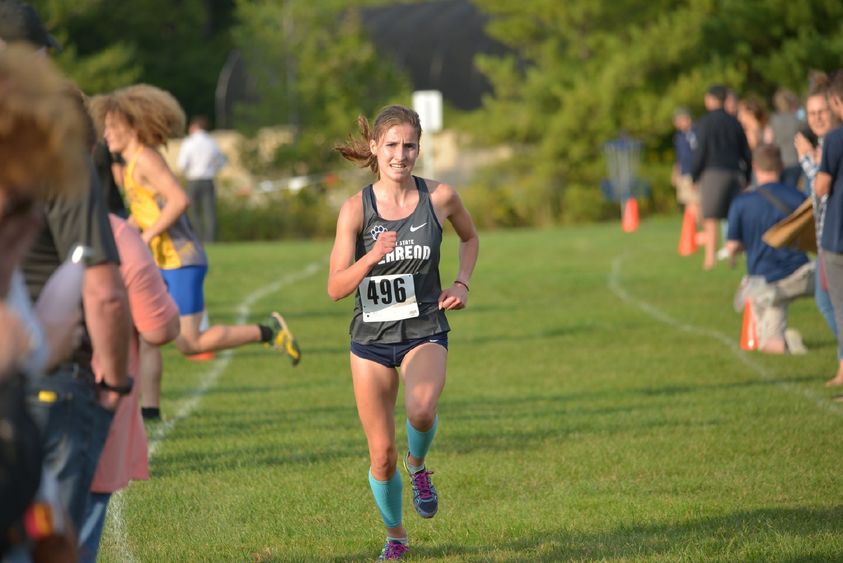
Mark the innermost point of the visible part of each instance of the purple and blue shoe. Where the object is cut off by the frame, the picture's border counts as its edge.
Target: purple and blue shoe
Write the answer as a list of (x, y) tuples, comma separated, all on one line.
[(393, 549), (425, 499)]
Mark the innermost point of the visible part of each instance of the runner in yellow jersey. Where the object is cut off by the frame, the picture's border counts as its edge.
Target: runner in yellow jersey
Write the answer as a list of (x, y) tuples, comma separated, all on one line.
[(135, 121)]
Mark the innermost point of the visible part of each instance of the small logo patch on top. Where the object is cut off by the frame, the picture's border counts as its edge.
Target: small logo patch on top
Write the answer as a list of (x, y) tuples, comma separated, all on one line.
[(377, 230), (413, 228)]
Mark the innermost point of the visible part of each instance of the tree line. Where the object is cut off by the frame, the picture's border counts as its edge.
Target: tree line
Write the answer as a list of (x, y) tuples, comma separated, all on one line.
[(584, 71)]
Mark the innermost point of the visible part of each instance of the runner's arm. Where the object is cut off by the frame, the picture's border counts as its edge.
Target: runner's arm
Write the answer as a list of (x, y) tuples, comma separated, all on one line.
[(156, 174), (345, 274), (456, 296)]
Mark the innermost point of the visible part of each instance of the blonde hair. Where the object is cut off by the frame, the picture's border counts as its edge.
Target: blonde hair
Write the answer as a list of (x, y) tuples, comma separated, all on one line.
[(358, 151), (154, 114), (42, 133)]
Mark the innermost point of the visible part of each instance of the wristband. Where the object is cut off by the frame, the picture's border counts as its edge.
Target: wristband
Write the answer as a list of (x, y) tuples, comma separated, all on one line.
[(119, 389), (465, 285)]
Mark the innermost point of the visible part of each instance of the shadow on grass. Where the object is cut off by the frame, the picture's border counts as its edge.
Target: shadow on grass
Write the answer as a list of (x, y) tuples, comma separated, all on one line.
[(767, 534)]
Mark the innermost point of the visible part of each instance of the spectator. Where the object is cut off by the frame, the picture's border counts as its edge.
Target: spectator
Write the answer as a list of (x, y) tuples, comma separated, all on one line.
[(722, 160), (785, 125), (42, 150), (684, 142), (72, 405), (752, 115), (730, 104), (200, 159), (829, 182), (787, 273), (808, 146), (156, 320)]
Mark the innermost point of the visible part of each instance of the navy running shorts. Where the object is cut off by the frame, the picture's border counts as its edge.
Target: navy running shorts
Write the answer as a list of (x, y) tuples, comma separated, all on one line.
[(391, 355)]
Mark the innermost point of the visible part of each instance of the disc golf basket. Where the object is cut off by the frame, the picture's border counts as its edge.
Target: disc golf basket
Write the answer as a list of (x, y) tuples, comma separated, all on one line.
[(623, 186)]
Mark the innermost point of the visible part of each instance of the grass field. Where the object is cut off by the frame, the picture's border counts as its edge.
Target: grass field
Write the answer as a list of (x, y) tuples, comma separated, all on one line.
[(597, 408)]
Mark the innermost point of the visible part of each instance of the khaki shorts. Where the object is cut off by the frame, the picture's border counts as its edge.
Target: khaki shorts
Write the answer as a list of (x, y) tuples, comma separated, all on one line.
[(770, 304), (686, 191)]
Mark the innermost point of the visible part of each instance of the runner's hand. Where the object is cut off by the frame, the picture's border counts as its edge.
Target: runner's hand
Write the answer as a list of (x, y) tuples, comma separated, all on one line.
[(385, 244), (455, 297)]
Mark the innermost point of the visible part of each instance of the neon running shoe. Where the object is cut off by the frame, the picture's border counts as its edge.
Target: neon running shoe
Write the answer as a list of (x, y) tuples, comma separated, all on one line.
[(425, 499), (393, 549), (283, 339)]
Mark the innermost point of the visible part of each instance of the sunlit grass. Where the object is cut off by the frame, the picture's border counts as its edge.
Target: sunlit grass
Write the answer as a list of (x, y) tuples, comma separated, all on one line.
[(575, 425)]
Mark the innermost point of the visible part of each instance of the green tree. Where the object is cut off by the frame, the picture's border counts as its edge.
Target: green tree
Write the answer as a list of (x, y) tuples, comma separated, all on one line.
[(593, 69), (178, 46), (315, 69)]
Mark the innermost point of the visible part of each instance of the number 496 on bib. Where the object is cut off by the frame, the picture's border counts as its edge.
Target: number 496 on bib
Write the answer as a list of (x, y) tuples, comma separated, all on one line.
[(388, 298)]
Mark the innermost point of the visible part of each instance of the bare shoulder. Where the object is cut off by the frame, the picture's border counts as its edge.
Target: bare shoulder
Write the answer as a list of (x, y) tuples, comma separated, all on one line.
[(150, 155), (150, 160), (351, 212), (442, 195), (353, 204)]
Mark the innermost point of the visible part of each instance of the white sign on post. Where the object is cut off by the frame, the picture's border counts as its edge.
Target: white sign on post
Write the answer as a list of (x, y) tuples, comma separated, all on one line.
[(428, 104)]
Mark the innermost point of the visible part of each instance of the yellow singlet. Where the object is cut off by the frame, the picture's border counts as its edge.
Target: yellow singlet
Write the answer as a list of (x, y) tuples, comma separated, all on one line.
[(176, 247)]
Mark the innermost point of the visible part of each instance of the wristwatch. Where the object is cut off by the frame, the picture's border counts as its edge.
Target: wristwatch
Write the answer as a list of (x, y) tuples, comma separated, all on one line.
[(119, 389)]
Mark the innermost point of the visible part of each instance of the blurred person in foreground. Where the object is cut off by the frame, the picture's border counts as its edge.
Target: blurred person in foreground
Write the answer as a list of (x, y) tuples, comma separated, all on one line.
[(808, 145), (783, 274), (136, 121), (156, 320), (721, 166), (72, 405), (42, 150), (829, 183)]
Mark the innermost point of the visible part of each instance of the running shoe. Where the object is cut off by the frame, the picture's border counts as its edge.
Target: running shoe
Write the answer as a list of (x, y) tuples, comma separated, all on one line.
[(393, 549), (425, 499), (283, 339)]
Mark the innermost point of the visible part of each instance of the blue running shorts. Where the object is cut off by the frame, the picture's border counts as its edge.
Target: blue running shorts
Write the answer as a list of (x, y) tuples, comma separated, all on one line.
[(391, 355), (186, 287)]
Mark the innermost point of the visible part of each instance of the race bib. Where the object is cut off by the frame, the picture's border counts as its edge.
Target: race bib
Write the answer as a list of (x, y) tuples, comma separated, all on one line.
[(388, 298)]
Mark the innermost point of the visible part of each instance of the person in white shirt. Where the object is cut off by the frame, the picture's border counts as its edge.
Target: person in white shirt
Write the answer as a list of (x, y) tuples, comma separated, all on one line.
[(200, 158)]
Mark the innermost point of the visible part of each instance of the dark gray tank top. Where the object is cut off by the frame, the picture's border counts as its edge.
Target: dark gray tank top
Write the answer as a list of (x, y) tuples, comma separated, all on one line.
[(416, 256)]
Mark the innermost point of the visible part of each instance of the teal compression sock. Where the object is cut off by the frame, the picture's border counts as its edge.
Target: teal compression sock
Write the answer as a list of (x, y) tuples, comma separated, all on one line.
[(388, 498), (420, 441)]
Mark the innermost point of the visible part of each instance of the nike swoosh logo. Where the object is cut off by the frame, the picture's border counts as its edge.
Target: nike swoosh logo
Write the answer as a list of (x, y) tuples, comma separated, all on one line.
[(414, 229)]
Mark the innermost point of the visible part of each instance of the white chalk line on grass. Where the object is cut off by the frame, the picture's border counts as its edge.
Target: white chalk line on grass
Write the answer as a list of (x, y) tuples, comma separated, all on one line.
[(727, 341), (186, 407)]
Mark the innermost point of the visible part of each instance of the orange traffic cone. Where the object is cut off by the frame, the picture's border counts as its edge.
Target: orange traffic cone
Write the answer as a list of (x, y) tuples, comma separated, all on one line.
[(688, 234), (201, 357), (629, 220), (749, 329)]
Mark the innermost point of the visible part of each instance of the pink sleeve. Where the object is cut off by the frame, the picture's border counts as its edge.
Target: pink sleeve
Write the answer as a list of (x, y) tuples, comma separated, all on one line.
[(124, 456), (151, 305)]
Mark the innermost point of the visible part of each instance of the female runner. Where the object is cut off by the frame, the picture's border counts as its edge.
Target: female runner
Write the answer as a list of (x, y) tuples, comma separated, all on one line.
[(386, 252), (136, 121)]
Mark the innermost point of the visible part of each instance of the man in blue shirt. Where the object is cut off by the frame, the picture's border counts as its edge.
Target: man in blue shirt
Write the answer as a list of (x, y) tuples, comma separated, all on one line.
[(787, 273), (684, 143)]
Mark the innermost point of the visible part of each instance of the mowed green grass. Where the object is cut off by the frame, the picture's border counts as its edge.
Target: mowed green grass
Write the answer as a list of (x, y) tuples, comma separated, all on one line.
[(596, 409)]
